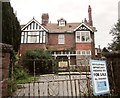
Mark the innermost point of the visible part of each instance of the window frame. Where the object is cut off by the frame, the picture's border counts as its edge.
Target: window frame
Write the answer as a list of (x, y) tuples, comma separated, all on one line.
[(83, 52), (85, 38), (34, 35), (38, 37), (61, 39)]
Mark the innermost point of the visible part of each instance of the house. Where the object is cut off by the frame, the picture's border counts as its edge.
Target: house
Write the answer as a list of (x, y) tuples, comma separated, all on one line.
[(73, 41)]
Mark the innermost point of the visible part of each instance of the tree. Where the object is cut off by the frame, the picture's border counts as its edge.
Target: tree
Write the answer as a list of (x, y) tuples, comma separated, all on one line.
[(43, 61), (11, 30), (115, 31), (105, 50)]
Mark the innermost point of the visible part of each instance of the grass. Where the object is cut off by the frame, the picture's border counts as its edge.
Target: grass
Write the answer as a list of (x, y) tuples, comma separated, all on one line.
[(28, 79)]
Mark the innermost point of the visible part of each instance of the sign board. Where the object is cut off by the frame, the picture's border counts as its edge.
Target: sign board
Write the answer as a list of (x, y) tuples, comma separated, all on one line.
[(63, 64), (99, 77)]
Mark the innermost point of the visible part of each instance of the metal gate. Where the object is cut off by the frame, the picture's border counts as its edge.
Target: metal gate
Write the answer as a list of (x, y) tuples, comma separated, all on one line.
[(68, 84), (55, 85)]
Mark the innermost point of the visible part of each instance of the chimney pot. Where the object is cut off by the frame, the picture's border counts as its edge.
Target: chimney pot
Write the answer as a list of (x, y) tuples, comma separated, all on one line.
[(45, 18), (90, 16)]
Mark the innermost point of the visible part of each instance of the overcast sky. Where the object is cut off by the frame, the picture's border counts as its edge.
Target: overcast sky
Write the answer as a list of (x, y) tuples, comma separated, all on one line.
[(104, 13)]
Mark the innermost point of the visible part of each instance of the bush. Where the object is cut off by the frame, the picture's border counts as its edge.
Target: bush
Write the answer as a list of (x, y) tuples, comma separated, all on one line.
[(42, 60), (12, 87), (19, 73)]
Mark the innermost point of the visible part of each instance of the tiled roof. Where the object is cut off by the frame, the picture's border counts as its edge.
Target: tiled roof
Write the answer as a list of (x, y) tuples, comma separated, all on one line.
[(69, 27), (54, 28)]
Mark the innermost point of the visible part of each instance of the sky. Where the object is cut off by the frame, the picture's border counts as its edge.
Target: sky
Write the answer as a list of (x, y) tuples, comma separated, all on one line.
[(104, 14)]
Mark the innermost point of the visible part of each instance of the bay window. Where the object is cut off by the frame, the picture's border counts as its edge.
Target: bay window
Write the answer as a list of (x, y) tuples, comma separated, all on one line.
[(82, 36)]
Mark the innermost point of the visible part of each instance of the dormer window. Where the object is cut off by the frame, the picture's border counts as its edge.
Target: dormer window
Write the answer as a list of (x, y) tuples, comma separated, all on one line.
[(61, 22)]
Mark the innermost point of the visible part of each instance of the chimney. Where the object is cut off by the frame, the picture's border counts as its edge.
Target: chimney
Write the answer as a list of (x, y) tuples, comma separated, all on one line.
[(45, 18), (85, 21), (90, 16)]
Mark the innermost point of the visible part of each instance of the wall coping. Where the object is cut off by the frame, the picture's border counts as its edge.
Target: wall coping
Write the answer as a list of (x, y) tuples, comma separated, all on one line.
[(5, 47)]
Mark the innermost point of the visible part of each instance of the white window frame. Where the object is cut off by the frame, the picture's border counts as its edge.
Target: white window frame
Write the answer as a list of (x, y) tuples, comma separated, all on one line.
[(79, 36), (61, 39), (83, 52), (33, 37), (61, 23), (22, 37)]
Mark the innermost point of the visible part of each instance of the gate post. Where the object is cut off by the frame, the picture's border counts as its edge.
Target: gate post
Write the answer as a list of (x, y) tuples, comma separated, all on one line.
[(70, 75), (34, 69)]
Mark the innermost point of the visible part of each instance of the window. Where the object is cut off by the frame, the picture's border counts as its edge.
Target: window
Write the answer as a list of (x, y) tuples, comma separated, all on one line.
[(61, 39), (83, 52), (82, 36), (78, 37), (88, 52), (61, 23), (33, 37)]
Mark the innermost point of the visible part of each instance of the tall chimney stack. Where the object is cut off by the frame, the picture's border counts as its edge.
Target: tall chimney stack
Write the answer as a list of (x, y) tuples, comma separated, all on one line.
[(45, 18), (90, 16)]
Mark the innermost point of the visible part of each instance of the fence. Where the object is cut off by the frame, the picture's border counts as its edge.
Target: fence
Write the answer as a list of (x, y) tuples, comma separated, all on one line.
[(55, 85), (58, 85)]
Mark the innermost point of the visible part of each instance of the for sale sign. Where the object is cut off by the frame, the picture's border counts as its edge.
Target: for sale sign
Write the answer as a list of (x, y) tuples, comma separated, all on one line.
[(99, 77)]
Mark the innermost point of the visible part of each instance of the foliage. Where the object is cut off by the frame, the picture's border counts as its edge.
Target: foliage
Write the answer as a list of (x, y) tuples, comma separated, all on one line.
[(105, 50), (27, 80), (19, 74), (115, 31), (11, 30), (12, 87), (42, 60)]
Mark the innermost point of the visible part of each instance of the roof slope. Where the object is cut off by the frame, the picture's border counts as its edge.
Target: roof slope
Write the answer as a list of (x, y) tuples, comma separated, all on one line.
[(69, 27)]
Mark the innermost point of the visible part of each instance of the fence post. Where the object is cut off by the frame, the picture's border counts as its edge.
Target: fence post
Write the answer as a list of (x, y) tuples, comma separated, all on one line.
[(113, 76), (70, 75), (34, 69)]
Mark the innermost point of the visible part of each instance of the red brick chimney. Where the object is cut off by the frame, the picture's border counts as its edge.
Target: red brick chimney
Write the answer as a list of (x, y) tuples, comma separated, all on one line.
[(90, 16), (45, 18)]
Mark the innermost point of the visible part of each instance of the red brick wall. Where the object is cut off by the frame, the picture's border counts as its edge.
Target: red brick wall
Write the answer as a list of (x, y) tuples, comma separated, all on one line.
[(83, 46), (4, 73), (53, 39), (69, 39), (24, 47)]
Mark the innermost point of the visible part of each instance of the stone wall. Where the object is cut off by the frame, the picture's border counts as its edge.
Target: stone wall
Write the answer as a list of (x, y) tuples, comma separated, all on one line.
[(4, 67)]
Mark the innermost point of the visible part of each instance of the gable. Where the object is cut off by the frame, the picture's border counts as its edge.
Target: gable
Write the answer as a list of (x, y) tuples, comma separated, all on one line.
[(83, 27), (33, 25)]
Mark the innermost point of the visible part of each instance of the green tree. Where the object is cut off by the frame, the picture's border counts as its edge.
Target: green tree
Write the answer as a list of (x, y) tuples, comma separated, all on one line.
[(11, 30), (115, 31), (43, 61)]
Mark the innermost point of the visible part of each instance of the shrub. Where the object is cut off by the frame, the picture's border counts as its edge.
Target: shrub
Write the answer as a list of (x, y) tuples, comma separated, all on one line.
[(39, 59)]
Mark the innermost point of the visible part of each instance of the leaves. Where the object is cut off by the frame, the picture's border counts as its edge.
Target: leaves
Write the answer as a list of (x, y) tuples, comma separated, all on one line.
[(11, 30), (115, 31), (42, 58)]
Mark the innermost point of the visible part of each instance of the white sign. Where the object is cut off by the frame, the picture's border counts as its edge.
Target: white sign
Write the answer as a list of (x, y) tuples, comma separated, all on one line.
[(99, 77), (63, 64)]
